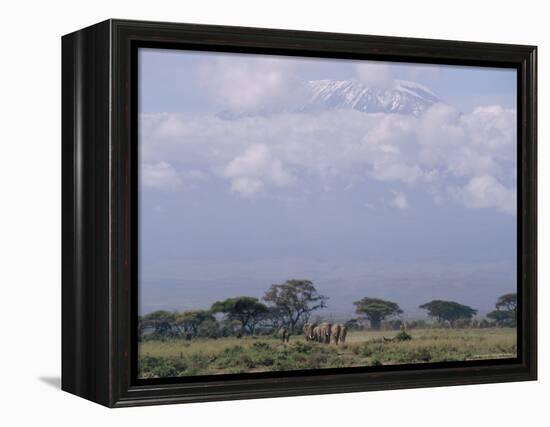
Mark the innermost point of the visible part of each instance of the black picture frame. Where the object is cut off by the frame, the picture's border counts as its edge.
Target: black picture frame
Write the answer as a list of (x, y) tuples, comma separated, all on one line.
[(99, 225)]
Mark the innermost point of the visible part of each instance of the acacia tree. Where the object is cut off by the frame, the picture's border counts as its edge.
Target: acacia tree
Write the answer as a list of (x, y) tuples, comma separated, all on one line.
[(502, 317), (249, 311), (506, 310), (507, 302), (274, 318), (449, 311), (376, 310), (294, 301), (161, 321), (191, 320)]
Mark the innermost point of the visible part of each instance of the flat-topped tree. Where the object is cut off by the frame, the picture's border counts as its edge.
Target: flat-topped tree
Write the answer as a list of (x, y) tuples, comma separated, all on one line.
[(502, 317), (162, 321), (376, 310), (191, 320), (508, 302), (294, 301), (247, 310), (506, 310), (448, 311)]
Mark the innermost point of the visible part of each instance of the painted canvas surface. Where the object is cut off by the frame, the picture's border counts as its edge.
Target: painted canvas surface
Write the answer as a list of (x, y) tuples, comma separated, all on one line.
[(307, 213)]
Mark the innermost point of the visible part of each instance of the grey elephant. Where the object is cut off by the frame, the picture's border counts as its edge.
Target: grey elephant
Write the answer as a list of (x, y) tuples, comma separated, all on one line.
[(284, 334), (308, 331), (325, 332), (343, 333), (336, 330), (316, 333)]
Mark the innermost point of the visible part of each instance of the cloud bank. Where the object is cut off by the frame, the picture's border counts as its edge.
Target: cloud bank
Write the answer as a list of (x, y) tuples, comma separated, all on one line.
[(248, 83), (467, 159), (160, 176)]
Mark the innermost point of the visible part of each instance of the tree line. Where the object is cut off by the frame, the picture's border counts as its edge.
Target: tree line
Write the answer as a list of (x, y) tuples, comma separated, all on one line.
[(292, 303)]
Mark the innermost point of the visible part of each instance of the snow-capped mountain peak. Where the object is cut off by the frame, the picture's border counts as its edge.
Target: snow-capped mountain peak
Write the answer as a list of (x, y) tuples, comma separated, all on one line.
[(404, 97), (415, 89)]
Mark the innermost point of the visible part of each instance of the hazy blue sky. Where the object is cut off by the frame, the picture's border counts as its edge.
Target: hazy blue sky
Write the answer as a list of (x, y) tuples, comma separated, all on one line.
[(408, 208)]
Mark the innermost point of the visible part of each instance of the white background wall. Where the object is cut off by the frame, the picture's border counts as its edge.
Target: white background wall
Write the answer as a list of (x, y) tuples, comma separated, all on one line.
[(30, 161)]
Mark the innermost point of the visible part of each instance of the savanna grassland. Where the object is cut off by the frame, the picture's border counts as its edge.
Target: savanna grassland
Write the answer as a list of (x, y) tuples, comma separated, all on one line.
[(205, 356)]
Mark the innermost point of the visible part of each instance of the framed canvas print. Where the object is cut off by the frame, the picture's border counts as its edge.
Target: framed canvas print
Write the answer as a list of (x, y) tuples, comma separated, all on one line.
[(258, 213)]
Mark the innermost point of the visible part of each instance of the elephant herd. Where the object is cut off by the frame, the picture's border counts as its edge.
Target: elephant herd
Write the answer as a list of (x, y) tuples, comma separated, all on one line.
[(325, 333)]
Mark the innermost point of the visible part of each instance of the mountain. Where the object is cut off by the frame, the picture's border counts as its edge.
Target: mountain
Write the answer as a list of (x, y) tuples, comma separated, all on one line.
[(404, 98), (321, 95)]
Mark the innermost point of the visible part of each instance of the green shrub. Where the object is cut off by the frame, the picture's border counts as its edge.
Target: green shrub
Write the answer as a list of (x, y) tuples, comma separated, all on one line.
[(306, 348), (261, 345), (157, 367), (366, 351), (403, 336)]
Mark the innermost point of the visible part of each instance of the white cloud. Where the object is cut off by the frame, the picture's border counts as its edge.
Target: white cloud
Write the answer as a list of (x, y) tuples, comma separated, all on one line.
[(399, 200), (375, 74), (252, 162), (441, 151), (246, 187), (384, 170), (245, 83), (256, 164), (481, 142), (160, 176), (486, 192)]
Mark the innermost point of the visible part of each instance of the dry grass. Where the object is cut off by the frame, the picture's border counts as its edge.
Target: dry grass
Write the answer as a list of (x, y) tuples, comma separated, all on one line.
[(363, 348)]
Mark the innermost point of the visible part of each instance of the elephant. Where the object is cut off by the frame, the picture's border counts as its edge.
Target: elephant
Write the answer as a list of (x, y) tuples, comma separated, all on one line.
[(316, 333), (325, 332), (308, 331), (308, 328), (336, 330), (343, 333), (284, 334)]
